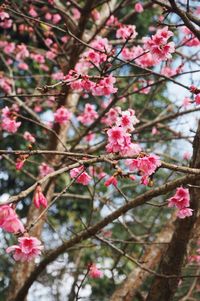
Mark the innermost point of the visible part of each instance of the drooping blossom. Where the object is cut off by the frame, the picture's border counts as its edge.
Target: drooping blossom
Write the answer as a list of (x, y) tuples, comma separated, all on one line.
[(181, 199), (39, 198), (89, 114), (29, 137), (28, 248), (94, 272), (44, 169), (9, 220), (111, 181), (159, 46), (197, 99), (62, 115), (185, 212), (138, 7), (81, 175), (19, 163)]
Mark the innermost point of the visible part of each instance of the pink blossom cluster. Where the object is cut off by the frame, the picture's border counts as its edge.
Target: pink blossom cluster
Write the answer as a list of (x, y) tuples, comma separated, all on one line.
[(146, 165), (159, 46), (139, 55), (5, 84), (9, 220), (94, 272), (9, 122), (28, 248), (119, 137), (62, 115), (5, 21), (81, 175), (89, 115), (181, 200), (126, 32)]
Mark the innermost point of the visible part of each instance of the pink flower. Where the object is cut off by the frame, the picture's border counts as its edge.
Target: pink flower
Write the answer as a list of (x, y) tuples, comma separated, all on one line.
[(186, 102), (76, 13), (56, 18), (111, 181), (187, 156), (95, 15), (22, 52), (118, 139), (185, 212), (147, 165), (89, 115), (181, 199), (45, 169), (29, 137), (9, 220), (127, 120), (62, 115), (10, 125), (19, 164), (81, 175), (197, 99), (159, 46), (138, 7), (126, 31), (39, 198), (94, 272), (32, 12), (28, 248), (105, 87)]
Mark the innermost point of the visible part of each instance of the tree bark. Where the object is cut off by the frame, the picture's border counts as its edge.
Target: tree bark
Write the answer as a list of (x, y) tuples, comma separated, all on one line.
[(172, 261), (151, 257)]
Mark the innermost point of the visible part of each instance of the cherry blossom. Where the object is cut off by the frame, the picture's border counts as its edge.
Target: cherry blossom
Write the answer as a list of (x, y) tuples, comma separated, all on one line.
[(28, 248), (159, 46), (62, 115), (94, 272), (45, 169), (10, 125), (81, 175), (9, 220), (138, 7), (29, 137), (89, 114), (185, 212), (111, 181), (118, 139), (126, 31), (181, 199), (197, 99)]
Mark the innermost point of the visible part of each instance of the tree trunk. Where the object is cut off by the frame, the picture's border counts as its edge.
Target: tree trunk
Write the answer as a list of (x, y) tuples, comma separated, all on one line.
[(151, 257), (172, 261)]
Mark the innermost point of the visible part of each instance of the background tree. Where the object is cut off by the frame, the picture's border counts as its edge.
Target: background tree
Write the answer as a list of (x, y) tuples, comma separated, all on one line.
[(95, 96)]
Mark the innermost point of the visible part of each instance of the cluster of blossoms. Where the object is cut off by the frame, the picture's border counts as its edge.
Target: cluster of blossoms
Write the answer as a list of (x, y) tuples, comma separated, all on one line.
[(62, 115), (103, 87), (5, 21), (81, 175), (181, 200), (145, 165), (159, 46), (119, 135), (28, 248), (89, 115), (9, 122)]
